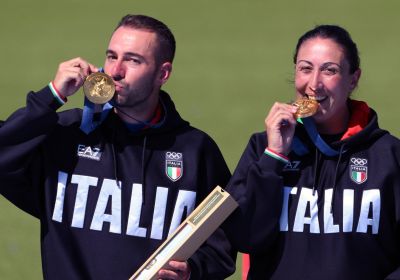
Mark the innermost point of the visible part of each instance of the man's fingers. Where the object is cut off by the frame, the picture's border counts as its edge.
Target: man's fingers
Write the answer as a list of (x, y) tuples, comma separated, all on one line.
[(93, 68), (167, 274), (79, 63), (181, 266), (71, 75), (176, 270)]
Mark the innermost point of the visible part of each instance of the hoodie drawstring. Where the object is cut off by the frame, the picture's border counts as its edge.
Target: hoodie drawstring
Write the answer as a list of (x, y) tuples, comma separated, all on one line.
[(316, 167), (143, 175), (143, 171), (115, 159), (335, 178), (336, 175)]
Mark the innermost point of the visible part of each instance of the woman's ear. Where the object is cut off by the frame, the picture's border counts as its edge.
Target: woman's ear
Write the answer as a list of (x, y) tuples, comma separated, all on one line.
[(354, 79)]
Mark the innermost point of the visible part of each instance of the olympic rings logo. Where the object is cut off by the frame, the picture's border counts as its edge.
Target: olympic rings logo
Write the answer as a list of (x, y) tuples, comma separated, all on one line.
[(174, 155), (359, 161)]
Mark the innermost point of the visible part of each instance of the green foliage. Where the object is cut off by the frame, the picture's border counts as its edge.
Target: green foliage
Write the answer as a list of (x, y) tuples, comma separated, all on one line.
[(234, 59)]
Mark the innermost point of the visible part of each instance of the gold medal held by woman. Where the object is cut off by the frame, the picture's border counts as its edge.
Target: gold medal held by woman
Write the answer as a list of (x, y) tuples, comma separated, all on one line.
[(305, 107), (99, 88)]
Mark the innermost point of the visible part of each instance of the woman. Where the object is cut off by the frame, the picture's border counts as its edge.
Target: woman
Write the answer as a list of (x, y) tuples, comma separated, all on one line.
[(320, 196)]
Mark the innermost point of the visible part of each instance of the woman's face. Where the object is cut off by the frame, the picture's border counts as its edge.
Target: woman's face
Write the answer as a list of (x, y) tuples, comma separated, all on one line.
[(322, 72)]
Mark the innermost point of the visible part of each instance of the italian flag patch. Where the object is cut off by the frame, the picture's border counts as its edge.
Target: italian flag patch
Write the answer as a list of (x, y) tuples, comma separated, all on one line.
[(174, 165), (358, 170)]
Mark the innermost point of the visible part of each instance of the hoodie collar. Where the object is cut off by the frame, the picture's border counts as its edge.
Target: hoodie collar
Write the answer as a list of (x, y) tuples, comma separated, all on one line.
[(360, 116), (166, 118), (155, 122)]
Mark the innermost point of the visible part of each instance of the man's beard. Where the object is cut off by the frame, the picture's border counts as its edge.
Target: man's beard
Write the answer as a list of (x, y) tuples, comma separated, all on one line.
[(137, 97)]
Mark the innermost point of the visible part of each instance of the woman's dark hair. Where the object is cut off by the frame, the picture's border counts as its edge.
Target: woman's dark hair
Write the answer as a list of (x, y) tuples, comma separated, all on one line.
[(166, 39), (337, 34)]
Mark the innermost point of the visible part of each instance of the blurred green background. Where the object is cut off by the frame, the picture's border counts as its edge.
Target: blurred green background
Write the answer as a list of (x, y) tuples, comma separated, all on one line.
[(234, 59)]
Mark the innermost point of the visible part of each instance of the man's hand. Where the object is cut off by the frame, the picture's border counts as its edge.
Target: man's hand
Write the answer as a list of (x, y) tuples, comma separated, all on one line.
[(175, 271), (71, 74)]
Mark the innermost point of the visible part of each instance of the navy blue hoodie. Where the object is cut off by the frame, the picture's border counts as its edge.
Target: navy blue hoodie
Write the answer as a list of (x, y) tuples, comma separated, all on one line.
[(108, 199), (320, 216)]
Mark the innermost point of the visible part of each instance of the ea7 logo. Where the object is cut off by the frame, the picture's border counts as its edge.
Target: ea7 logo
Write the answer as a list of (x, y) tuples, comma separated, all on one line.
[(89, 152), (292, 166)]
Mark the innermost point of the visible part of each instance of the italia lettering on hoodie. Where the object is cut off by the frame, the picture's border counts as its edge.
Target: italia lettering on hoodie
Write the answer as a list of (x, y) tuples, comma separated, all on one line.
[(107, 198), (110, 194), (308, 213)]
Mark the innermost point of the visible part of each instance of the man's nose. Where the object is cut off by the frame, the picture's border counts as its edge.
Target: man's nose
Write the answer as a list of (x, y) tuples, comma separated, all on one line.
[(117, 70)]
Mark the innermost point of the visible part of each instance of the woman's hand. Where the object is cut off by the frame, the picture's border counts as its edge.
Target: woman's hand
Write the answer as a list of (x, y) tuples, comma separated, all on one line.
[(280, 125)]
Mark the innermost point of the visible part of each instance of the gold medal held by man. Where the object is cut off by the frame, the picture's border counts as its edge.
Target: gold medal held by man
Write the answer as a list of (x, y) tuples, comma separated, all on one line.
[(99, 88), (305, 107)]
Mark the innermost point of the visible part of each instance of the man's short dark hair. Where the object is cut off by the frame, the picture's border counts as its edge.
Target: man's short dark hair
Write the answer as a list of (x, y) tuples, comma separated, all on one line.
[(167, 45)]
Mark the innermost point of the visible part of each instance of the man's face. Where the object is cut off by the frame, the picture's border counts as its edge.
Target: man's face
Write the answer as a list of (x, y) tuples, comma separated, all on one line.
[(131, 62)]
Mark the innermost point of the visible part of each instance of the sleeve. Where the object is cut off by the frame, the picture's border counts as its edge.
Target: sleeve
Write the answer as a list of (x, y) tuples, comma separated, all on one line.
[(215, 259), (257, 186), (395, 275), (395, 152), (20, 138)]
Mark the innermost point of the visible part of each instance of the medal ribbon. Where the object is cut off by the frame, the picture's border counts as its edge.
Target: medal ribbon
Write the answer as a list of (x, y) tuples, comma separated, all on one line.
[(93, 115), (300, 148), (312, 132)]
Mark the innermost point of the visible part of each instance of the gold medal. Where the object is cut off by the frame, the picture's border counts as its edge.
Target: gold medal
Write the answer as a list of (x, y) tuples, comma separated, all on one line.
[(305, 107), (99, 88)]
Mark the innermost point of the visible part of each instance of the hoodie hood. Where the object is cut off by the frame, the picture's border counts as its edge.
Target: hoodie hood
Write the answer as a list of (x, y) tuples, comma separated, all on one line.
[(169, 120), (362, 128)]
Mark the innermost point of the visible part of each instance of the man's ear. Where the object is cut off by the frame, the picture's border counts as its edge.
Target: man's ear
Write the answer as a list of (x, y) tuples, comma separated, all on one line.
[(165, 72)]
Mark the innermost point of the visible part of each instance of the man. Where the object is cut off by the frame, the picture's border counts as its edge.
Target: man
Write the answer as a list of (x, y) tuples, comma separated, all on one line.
[(109, 192)]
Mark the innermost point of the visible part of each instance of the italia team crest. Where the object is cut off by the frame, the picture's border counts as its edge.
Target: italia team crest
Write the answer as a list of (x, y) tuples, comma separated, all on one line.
[(174, 165), (359, 170)]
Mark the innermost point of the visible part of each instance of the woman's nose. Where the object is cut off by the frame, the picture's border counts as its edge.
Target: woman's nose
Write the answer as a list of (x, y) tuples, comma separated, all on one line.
[(315, 84)]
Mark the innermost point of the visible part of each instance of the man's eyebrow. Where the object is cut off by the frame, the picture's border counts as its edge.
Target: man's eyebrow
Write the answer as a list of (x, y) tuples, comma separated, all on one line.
[(127, 54), (110, 52)]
